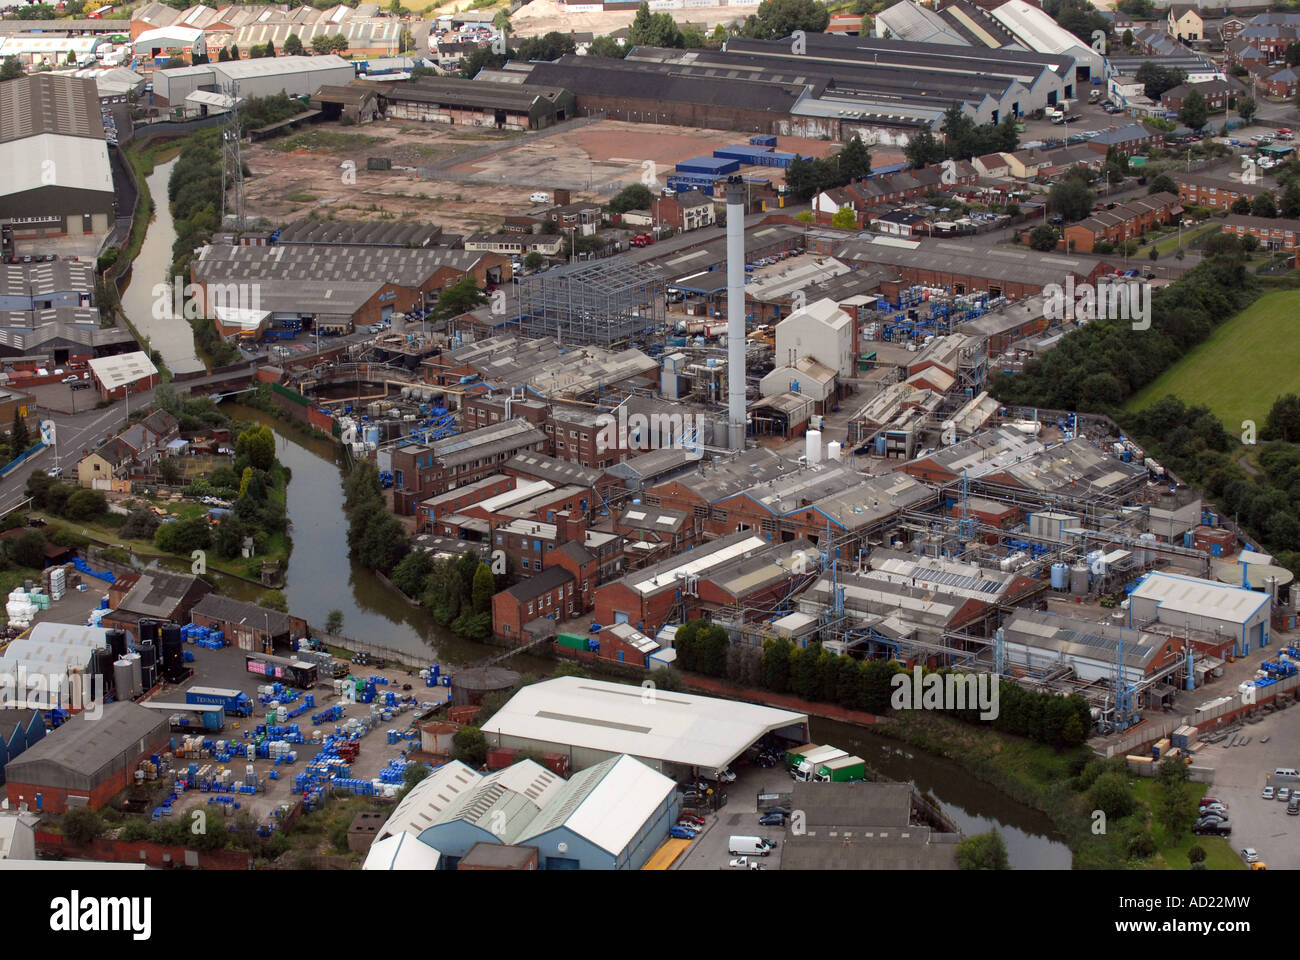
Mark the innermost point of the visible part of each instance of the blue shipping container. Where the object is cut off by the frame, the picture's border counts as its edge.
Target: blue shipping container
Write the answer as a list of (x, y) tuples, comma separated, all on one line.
[(708, 165)]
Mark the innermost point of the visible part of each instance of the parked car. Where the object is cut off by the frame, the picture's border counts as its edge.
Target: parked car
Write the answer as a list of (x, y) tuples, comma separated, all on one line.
[(540, 197), (1218, 828), (54, 472), (727, 776), (682, 833), (1293, 807), (772, 820), (691, 818), (1250, 854), (82, 385), (1212, 808), (72, 378), (1267, 794), (1283, 793), (744, 863)]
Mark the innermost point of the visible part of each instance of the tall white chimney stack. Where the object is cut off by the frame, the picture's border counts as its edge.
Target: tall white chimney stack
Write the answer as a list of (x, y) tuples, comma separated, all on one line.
[(736, 311)]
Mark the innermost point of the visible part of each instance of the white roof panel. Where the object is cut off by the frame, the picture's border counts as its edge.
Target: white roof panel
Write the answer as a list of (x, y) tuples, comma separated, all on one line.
[(615, 718)]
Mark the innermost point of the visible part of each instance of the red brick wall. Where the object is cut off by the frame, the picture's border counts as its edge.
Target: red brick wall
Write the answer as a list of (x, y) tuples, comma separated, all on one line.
[(55, 845)]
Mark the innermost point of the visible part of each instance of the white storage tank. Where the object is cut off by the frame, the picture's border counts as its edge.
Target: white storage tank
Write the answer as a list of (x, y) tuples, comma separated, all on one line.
[(833, 451), (813, 447)]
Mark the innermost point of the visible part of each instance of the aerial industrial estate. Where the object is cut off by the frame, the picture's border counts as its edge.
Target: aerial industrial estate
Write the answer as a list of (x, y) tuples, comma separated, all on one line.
[(602, 436)]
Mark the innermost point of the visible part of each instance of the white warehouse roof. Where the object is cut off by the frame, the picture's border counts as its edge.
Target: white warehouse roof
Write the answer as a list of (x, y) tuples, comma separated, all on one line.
[(618, 718), (123, 369), (607, 804), (402, 851), (168, 37), (54, 160), (1200, 598), (1038, 31)]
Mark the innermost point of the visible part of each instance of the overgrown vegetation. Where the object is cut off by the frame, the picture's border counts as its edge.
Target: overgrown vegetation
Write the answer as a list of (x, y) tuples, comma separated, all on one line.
[(814, 673)]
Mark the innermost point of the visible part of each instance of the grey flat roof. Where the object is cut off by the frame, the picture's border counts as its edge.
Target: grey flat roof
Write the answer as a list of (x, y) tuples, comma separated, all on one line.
[(50, 103), (83, 746)]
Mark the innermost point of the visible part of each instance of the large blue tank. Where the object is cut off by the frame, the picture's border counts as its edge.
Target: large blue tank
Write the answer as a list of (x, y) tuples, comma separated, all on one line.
[(1060, 575)]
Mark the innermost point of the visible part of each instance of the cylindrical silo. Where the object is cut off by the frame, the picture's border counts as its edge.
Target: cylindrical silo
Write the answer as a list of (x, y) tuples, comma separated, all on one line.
[(137, 673), (1079, 579), (813, 446), (1147, 555), (122, 679), (1060, 576), (833, 451)]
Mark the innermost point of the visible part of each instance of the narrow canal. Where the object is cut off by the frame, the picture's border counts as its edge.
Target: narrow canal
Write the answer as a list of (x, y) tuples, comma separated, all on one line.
[(152, 316)]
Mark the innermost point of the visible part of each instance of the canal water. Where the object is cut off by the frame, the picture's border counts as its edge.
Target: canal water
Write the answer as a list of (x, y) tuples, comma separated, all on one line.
[(1032, 842), (167, 333)]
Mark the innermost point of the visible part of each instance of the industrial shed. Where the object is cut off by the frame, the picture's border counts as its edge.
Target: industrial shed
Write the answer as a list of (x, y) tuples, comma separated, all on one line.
[(1216, 609), (87, 760), (476, 103), (593, 720), (59, 180), (611, 816), (295, 76)]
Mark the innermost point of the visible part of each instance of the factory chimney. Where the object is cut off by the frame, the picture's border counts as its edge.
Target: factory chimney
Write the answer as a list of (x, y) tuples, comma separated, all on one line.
[(736, 312)]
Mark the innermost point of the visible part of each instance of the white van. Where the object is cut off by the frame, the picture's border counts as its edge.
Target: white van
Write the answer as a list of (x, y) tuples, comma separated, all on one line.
[(1286, 773), (749, 846)]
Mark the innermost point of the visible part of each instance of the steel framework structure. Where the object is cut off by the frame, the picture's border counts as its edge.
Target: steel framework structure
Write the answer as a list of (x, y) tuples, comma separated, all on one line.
[(603, 302)]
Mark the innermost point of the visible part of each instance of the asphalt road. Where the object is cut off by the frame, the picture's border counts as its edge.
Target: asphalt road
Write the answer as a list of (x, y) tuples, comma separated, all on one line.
[(73, 433)]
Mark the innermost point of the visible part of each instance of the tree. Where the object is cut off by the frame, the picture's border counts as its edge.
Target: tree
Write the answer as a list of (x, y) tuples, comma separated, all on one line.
[(1112, 795), (1071, 199), (223, 55), (1043, 238), (182, 537), (1195, 112), (1175, 808), (412, 574), (258, 445), (923, 150), (844, 219), (1241, 206), (322, 43), (461, 297), (269, 49), (607, 47), (19, 438), (12, 69), (273, 600), (781, 18), (141, 524), (334, 622), (81, 825), (1195, 854), (983, 851), (234, 51), (854, 160), (86, 505), (551, 46), (293, 45), (653, 29), (635, 196), (533, 260), (1162, 183), (484, 587), (469, 746), (1263, 205), (1157, 80), (502, 21), (28, 549), (1283, 421), (1246, 108)]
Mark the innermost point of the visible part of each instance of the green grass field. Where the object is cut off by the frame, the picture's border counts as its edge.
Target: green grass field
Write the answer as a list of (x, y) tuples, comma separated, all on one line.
[(1245, 365)]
